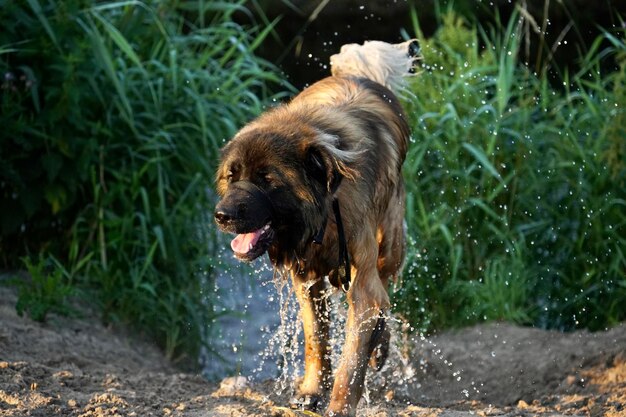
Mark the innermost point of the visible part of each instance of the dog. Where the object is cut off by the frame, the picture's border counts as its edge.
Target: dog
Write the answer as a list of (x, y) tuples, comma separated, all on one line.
[(317, 184)]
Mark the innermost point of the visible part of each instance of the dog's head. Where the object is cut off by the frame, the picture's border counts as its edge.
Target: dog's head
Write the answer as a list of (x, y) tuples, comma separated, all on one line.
[(275, 184)]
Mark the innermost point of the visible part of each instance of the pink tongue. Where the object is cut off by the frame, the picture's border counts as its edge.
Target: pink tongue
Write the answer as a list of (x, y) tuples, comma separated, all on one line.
[(241, 243)]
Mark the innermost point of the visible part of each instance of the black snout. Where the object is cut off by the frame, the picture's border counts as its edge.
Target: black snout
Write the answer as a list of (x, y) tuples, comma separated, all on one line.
[(244, 207), (223, 215)]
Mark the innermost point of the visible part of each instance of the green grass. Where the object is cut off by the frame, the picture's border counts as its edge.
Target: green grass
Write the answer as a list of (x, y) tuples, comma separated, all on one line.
[(515, 184), (46, 289), (112, 118)]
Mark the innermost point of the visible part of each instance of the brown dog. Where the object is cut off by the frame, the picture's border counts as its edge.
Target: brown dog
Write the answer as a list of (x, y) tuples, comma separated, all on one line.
[(317, 184)]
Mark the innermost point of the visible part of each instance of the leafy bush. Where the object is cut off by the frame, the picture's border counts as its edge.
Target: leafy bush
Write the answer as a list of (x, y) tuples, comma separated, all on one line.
[(516, 194), (46, 290), (112, 115)]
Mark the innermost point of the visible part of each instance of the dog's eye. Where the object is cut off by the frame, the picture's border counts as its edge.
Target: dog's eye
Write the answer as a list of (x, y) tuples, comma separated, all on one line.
[(265, 177), (230, 175)]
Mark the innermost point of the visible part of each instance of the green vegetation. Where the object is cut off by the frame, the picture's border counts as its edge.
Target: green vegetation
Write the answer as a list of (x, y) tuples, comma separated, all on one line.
[(44, 291), (516, 185), (112, 116)]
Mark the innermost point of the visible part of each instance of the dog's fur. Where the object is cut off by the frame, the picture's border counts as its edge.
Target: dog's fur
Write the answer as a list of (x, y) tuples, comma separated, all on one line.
[(344, 137)]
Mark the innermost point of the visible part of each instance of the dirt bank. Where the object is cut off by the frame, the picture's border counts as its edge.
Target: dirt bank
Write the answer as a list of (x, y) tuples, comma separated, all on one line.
[(74, 367)]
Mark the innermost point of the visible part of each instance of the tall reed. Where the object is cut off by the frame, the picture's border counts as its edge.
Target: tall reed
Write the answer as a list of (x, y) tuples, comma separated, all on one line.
[(112, 124), (516, 196)]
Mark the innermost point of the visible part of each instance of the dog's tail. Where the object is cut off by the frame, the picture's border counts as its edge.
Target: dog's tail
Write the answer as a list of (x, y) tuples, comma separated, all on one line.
[(385, 63)]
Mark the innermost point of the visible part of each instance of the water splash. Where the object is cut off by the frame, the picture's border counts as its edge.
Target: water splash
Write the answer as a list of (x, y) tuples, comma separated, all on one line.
[(264, 339), (246, 303), (283, 346)]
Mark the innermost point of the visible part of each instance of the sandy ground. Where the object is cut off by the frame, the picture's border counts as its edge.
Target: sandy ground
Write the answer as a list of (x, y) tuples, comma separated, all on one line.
[(76, 367)]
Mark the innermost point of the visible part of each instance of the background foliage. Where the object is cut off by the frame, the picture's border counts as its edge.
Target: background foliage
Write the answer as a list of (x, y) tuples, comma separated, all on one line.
[(516, 182), (112, 115)]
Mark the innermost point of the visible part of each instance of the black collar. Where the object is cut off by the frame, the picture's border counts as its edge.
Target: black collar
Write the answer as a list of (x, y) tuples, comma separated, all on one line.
[(343, 270)]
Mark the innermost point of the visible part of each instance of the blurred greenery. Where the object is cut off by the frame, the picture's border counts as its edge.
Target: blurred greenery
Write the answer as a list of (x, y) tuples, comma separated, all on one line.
[(44, 290), (112, 117), (516, 198)]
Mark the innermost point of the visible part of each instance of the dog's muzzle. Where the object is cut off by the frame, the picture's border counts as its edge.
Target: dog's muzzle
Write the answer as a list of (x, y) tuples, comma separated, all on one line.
[(247, 211)]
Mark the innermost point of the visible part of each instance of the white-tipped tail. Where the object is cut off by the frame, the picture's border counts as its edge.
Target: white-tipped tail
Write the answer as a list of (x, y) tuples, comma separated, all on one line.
[(385, 63)]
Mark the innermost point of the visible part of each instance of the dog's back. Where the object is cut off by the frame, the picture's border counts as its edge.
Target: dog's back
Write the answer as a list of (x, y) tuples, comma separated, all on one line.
[(366, 78), (357, 105)]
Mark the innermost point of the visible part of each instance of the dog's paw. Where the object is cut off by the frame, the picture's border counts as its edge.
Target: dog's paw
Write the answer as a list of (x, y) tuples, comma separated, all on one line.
[(311, 402)]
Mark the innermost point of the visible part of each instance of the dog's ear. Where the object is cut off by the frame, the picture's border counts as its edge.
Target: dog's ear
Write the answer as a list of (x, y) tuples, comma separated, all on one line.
[(321, 167), (327, 162)]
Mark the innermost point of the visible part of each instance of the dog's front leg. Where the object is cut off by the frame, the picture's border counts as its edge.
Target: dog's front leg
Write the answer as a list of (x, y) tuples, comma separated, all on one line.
[(314, 315), (366, 299)]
